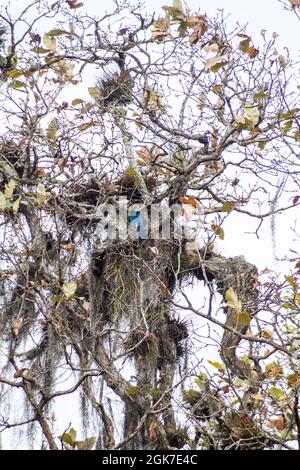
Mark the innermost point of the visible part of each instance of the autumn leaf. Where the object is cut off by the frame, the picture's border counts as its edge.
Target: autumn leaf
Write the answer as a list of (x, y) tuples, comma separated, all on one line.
[(69, 289), (252, 52), (49, 42), (77, 101), (40, 50), (160, 29), (279, 423), (282, 61), (88, 444), (251, 113), (144, 154), (228, 206), (232, 300), (19, 373), (295, 3), (217, 365), (218, 231), (293, 379), (52, 129), (215, 63), (199, 29), (243, 319), (276, 393), (153, 428), (9, 189), (177, 5), (73, 4), (41, 194), (132, 390), (213, 47), (296, 199), (16, 327), (273, 369), (93, 92)]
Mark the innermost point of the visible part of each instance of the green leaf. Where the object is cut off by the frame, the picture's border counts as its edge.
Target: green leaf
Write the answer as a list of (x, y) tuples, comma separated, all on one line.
[(77, 101), (215, 63), (216, 88), (17, 84), (88, 444), (276, 393), (57, 32), (191, 396), (260, 96), (40, 50), (292, 282), (228, 206), (218, 231), (244, 45), (244, 319), (73, 434), (52, 129), (15, 74), (69, 289), (132, 390), (297, 135)]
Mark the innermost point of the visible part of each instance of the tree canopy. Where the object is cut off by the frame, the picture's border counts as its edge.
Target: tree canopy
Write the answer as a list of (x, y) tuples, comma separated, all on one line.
[(127, 140)]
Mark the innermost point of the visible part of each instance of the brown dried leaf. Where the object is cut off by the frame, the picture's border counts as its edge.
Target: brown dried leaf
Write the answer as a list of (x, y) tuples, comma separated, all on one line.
[(252, 52), (199, 30), (279, 423), (19, 373), (159, 29), (16, 327), (144, 154), (153, 429)]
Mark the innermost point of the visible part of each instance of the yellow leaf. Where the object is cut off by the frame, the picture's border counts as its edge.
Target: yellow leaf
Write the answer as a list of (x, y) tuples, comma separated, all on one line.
[(14, 73), (77, 101), (16, 84), (15, 206), (9, 189), (244, 319), (232, 300), (49, 42), (217, 365), (251, 113), (3, 202), (52, 129), (132, 390), (69, 289), (93, 92), (177, 5), (42, 194)]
